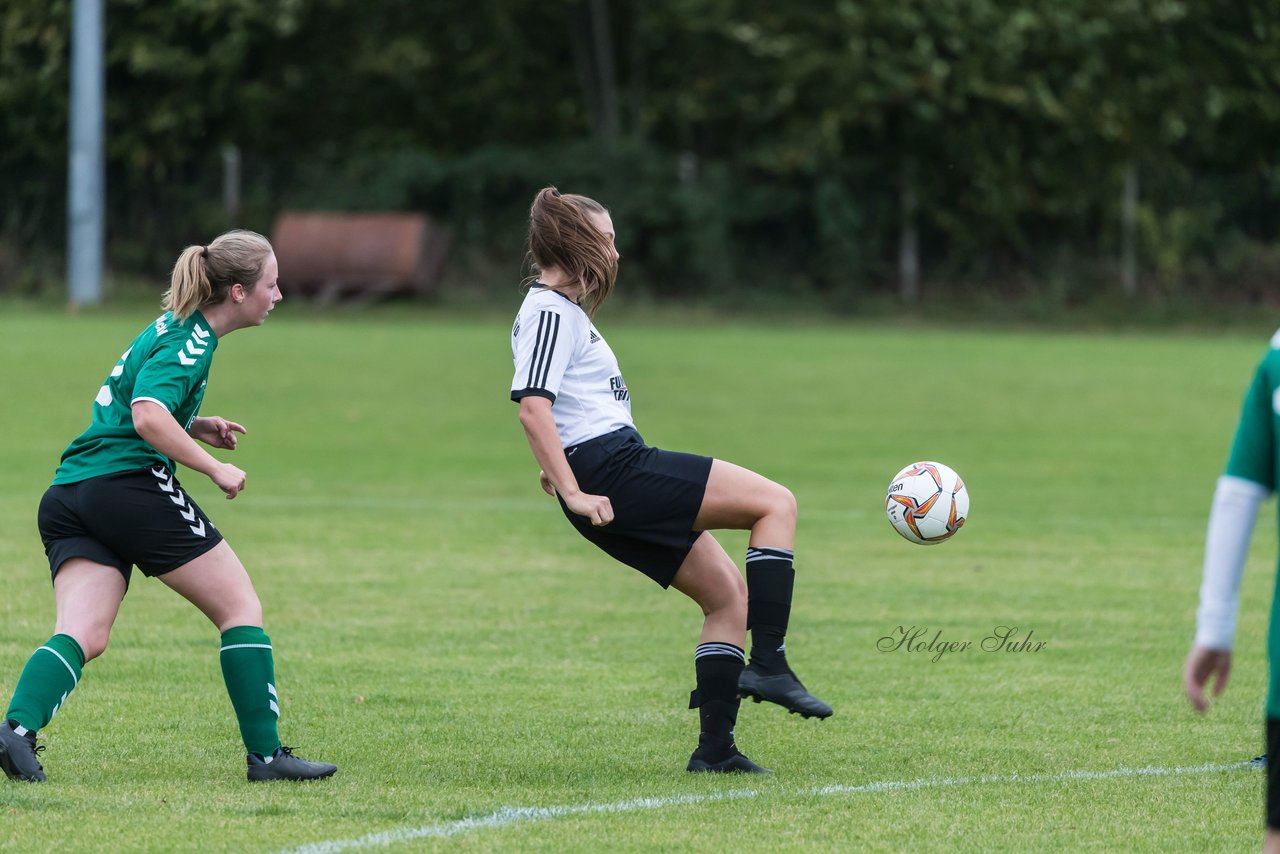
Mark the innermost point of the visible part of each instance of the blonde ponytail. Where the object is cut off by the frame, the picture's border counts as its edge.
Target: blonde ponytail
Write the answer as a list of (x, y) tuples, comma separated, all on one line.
[(189, 286)]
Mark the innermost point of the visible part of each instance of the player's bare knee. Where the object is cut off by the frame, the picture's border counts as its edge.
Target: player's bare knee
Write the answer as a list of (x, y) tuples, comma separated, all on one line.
[(792, 507), (782, 504), (91, 635), (250, 617), (733, 597), (93, 642), (246, 613), (723, 593)]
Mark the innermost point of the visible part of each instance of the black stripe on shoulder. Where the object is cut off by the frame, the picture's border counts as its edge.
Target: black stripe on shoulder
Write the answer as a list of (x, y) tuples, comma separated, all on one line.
[(544, 346)]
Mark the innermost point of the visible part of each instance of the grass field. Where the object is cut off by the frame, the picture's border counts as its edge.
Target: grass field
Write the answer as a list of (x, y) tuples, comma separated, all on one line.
[(487, 681)]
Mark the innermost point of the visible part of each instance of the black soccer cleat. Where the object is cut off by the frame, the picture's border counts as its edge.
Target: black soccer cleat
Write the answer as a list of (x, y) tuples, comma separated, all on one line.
[(781, 688), (18, 755), (734, 763), (285, 766)]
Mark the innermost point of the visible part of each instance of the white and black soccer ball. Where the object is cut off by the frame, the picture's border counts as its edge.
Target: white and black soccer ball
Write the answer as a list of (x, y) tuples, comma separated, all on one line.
[(927, 503)]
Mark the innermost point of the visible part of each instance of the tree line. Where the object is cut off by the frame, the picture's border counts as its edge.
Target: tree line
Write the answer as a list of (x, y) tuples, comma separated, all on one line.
[(837, 147)]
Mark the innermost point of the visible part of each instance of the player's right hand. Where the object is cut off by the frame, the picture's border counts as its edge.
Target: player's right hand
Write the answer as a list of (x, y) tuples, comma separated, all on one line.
[(1202, 665), (229, 479), (597, 508)]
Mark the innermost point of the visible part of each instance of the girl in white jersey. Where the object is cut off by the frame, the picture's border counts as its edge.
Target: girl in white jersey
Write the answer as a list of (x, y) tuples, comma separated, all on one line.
[(116, 502), (650, 508)]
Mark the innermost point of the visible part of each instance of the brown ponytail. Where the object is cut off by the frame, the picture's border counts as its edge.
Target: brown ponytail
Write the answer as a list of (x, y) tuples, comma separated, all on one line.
[(204, 274), (562, 235)]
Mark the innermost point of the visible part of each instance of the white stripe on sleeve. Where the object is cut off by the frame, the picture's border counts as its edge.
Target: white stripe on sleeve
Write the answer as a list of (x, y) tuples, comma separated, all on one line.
[(158, 403)]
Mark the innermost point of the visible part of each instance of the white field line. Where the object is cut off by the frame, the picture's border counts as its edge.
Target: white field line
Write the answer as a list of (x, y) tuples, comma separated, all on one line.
[(509, 816)]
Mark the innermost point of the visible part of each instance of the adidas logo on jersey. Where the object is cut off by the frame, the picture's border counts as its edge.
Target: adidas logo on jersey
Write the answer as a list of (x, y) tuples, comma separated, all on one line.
[(594, 336)]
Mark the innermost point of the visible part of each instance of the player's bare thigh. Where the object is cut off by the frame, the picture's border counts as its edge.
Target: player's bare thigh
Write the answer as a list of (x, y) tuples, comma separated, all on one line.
[(217, 583), (740, 499), (87, 596)]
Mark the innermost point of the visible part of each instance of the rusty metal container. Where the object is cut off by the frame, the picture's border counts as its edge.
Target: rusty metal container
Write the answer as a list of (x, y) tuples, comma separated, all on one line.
[(334, 256)]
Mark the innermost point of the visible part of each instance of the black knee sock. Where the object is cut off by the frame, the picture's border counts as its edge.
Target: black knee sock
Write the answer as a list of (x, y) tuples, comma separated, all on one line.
[(717, 666), (770, 579)]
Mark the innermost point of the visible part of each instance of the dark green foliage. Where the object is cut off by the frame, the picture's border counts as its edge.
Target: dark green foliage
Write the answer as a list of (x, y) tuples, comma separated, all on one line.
[(747, 143)]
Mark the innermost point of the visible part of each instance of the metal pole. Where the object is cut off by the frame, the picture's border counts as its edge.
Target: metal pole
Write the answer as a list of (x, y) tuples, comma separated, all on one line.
[(606, 81), (231, 183), (909, 236), (85, 178), (1129, 232)]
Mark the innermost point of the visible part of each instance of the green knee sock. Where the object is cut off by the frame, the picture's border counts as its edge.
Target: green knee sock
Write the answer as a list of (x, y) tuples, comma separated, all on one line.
[(250, 674), (52, 672)]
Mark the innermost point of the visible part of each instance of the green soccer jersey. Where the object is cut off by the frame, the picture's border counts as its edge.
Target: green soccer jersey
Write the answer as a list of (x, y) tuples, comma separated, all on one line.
[(168, 364), (1253, 453)]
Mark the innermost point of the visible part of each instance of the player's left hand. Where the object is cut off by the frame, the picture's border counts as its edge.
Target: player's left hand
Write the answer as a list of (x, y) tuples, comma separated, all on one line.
[(216, 432), (546, 484), (1202, 665)]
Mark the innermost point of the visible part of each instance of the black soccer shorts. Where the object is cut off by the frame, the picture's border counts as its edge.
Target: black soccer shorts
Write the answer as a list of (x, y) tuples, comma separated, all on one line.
[(655, 494), (141, 517)]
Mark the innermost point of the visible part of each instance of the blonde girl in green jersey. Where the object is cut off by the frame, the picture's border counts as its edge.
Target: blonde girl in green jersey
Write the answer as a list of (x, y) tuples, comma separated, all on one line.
[(116, 502)]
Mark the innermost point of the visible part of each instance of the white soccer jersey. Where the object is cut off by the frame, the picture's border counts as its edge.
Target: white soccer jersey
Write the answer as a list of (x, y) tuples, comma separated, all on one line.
[(559, 355)]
